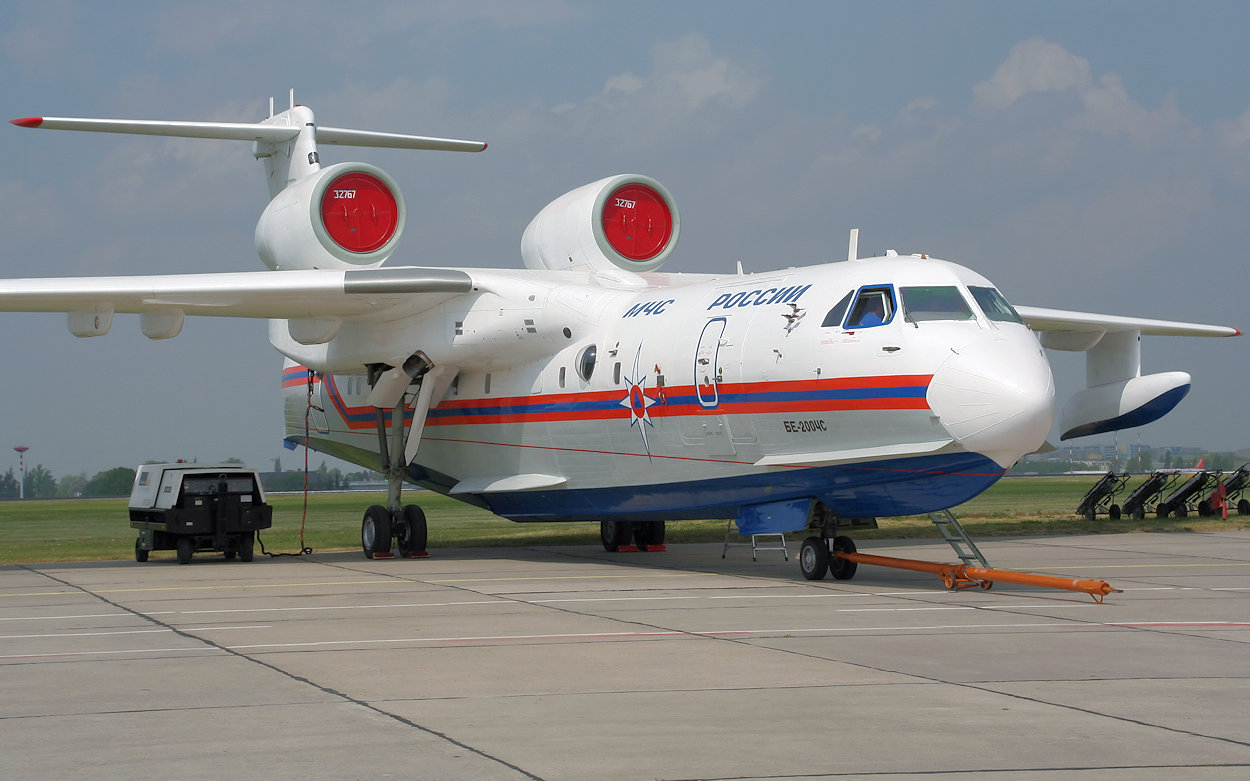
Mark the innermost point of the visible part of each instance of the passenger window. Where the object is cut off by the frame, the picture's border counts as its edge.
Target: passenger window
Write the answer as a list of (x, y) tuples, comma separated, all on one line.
[(934, 303), (874, 306), (834, 318)]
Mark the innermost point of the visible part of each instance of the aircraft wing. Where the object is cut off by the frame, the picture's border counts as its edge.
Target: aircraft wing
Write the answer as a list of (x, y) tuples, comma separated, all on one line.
[(381, 293), (1050, 320)]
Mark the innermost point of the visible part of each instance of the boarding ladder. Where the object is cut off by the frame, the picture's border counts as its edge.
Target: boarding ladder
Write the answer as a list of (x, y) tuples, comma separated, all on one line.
[(958, 539)]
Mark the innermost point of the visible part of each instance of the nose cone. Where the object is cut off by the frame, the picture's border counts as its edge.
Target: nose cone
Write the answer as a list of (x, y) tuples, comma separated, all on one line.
[(995, 398)]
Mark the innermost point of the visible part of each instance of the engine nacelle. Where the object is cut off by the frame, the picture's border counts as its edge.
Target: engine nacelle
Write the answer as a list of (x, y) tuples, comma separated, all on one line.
[(627, 221), (349, 215)]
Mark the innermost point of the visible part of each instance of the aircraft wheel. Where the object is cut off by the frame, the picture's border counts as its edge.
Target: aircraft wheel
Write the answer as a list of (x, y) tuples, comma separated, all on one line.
[(614, 534), (814, 558), (841, 569), (247, 546), (230, 553), (186, 549), (413, 532), (1114, 512), (1243, 507), (648, 533), (375, 531), (141, 555)]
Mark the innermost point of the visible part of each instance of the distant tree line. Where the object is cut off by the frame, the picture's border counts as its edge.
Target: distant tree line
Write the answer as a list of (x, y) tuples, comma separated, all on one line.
[(41, 484)]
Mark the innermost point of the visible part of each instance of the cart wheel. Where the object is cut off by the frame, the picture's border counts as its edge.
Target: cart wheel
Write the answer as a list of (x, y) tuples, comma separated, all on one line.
[(186, 548), (1139, 513), (1204, 508), (247, 543), (141, 555), (1113, 512), (1243, 507), (1180, 512)]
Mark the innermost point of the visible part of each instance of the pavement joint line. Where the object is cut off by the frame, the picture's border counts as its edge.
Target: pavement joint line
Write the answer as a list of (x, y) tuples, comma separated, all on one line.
[(210, 645)]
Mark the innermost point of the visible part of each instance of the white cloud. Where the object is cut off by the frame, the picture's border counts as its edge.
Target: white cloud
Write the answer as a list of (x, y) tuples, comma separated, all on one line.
[(686, 77), (1035, 65)]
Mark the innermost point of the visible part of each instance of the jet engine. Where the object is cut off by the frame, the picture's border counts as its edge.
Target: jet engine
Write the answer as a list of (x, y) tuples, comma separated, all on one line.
[(628, 221), (349, 215)]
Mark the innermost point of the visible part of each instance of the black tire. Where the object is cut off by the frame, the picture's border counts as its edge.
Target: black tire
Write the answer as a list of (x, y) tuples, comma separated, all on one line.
[(1180, 512), (186, 549), (230, 553), (1113, 512), (375, 531), (614, 534), (841, 569), (1243, 507), (1204, 508), (648, 533), (247, 546), (1162, 511), (413, 531), (1139, 513), (814, 558), (141, 555)]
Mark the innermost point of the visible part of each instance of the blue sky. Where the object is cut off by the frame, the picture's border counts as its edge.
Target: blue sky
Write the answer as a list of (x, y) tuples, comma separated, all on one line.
[(1082, 155)]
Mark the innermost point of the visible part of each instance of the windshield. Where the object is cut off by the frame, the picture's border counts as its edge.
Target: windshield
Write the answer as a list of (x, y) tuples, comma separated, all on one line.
[(994, 305), (935, 303)]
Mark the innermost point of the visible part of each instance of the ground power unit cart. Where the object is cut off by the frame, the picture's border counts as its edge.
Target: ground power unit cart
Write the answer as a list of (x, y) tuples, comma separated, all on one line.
[(190, 507)]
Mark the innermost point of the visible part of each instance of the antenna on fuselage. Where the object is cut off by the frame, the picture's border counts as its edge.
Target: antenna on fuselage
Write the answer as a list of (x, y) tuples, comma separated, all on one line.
[(852, 250)]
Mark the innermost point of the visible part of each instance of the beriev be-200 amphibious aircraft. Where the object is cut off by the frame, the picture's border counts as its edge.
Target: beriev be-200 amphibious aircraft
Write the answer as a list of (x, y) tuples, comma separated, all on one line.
[(591, 385)]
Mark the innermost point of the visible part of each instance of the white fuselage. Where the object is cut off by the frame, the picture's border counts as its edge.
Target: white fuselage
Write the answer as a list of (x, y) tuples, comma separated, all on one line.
[(698, 395)]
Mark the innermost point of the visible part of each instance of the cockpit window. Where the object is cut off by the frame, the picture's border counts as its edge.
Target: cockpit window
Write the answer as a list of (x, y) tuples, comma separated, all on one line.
[(873, 306), (834, 318), (935, 303), (994, 305)]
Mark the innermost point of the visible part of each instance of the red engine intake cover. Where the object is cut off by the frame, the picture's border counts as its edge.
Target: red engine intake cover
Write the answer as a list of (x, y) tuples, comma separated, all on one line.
[(637, 222), (359, 212)]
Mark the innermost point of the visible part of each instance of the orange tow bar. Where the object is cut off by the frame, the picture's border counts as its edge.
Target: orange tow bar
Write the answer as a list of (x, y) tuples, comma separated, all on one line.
[(958, 576)]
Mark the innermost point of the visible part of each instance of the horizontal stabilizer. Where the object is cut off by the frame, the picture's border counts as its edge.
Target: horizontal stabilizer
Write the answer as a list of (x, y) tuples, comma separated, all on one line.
[(245, 131)]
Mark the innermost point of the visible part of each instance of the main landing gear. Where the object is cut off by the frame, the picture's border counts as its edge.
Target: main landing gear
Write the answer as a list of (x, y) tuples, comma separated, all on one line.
[(621, 536), (397, 525)]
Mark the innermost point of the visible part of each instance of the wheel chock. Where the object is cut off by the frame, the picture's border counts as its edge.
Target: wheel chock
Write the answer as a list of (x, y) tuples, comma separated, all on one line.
[(387, 555), (627, 549), (417, 554)]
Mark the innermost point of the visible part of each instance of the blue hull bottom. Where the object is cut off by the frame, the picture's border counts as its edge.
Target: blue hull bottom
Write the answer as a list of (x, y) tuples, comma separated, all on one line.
[(905, 486)]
